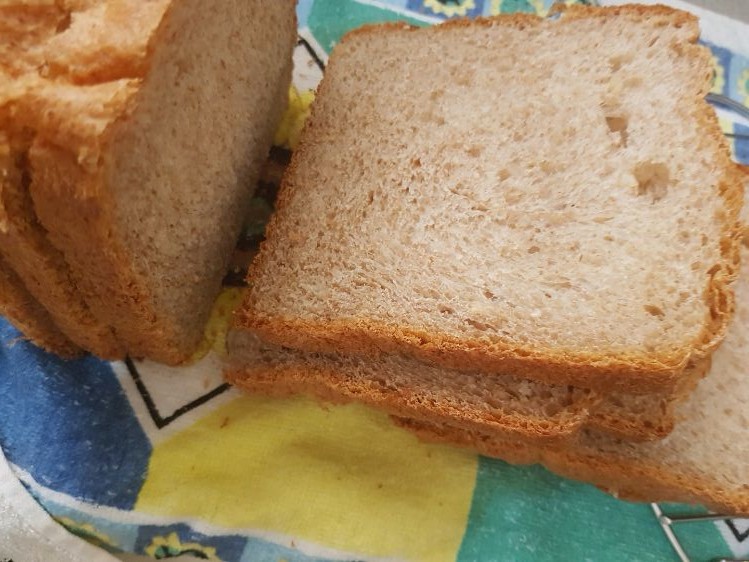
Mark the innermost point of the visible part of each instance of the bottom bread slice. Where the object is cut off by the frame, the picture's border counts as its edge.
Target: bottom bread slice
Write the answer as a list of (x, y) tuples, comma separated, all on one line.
[(705, 459), (26, 314), (402, 386), (632, 471), (645, 417)]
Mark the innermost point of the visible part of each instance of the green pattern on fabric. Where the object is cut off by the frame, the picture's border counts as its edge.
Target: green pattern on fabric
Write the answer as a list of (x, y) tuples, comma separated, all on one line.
[(529, 514), (330, 20), (513, 6)]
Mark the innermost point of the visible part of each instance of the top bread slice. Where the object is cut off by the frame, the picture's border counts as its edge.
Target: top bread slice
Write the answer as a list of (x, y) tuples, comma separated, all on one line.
[(148, 124), (568, 215)]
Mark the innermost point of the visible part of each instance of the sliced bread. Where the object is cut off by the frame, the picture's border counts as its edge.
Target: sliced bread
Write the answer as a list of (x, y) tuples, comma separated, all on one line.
[(704, 460), (477, 401), (570, 218), (23, 241), (25, 247), (19, 307), (405, 387), (149, 122)]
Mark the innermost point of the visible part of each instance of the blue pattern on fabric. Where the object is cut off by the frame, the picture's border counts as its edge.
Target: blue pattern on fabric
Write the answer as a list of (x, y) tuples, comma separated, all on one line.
[(741, 144), (80, 408)]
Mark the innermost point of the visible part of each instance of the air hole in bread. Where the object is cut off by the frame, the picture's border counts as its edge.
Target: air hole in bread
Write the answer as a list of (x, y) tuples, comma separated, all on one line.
[(446, 310), (654, 310), (478, 325), (620, 60), (618, 124), (64, 24), (652, 180), (474, 151), (503, 174)]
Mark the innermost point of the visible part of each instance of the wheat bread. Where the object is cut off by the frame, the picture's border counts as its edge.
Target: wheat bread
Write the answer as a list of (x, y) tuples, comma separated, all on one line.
[(149, 124), (705, 459), (476, 401), (26, 314), (402, 386), (458, 211), (23, 241), (26, 249)]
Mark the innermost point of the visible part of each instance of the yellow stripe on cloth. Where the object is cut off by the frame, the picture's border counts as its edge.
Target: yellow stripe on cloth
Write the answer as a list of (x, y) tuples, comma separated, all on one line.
[(343, 477)]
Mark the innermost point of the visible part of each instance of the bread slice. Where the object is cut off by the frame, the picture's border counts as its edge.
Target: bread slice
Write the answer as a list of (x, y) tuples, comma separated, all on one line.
[(613, 469), (704, 460), (476, 401), (149, 124), (405, 387), (570, 219), (25, 248), (26, 314)]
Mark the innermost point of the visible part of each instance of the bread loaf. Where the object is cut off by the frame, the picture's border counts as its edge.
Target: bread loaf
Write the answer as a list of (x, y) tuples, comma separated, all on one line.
[(147, 124)]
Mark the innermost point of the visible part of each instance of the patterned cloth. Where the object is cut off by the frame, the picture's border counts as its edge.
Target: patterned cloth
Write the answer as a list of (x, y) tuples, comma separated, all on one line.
[(136, 457)]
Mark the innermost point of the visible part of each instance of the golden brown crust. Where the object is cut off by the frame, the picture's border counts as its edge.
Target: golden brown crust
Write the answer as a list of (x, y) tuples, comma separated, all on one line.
[(631, 374), (26, 314), (25, 247), (329, 385), (665, 14), (270, 370), (631, 371), (625, 477)]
